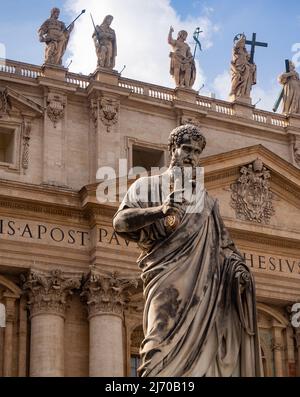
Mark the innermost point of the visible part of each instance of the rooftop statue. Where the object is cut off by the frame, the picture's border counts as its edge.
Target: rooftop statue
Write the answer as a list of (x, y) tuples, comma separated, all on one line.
[(183, 68), (291, 90), (105, 43), (243, 72), (55, 35), (200, 311)]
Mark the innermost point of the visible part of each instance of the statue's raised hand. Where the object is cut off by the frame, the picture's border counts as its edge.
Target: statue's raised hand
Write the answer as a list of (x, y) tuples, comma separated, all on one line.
[(173, 206)]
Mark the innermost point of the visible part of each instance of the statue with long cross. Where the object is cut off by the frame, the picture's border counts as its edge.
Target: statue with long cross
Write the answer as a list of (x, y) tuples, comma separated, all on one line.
[(243, 68), (280, 97), (290, 94), (254, 44)]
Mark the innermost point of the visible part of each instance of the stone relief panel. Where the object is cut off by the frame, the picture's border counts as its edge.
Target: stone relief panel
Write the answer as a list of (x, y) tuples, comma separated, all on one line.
[(4, 103), (109, 112), (56, 104), (251, 196), (26, 141)]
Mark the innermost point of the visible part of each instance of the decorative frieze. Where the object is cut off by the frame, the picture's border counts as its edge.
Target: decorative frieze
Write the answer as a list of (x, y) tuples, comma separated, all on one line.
[(56, 104), (49, 292), (26, 140), (107, 293), (251, 196)]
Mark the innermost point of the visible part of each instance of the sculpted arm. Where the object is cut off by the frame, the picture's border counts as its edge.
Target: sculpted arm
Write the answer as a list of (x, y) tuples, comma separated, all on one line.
[(42, 31), (171, 41), (132, 219)]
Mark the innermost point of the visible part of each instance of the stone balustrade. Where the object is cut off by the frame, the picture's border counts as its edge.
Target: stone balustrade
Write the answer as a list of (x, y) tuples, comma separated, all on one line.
[(25, 70)]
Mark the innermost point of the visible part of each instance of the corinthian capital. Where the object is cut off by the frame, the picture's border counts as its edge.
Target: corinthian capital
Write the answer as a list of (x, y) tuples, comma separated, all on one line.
[(107, 293), (49, 292)]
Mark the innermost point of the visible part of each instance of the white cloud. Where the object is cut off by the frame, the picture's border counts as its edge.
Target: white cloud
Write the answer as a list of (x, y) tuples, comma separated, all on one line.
[(221, 85), (266, 98), (142, 28)]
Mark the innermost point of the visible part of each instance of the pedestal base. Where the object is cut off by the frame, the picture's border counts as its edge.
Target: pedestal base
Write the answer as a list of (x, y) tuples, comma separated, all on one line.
[(54, 72), (107, 76), (240, 100), (185, 94)]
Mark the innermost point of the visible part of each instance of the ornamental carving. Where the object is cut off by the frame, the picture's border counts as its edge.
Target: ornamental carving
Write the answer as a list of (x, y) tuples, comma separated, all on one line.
[(109, 112), (94, 111), (107, 293), (4, 103), (56, 104), (297, 153), (251, 196), (26, 139), (137, 337), (277, 347), (49, 292), (189, 120)]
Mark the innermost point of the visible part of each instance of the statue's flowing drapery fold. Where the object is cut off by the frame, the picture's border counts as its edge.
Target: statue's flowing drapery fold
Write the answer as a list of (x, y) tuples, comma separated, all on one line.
[(198, 321)]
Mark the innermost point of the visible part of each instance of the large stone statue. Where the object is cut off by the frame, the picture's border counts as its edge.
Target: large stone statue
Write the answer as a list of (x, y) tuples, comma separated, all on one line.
[(56, 37), (243, 72), (106, 44), (200, 313), (183, 68), (291, 90)]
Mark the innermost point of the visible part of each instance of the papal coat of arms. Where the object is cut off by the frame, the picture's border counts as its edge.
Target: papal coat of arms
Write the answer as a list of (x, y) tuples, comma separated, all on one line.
[(109, 110), (251, 196)]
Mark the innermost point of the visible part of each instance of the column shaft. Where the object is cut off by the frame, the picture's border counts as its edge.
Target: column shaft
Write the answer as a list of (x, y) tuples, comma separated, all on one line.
[(47, 346), (106, 346)]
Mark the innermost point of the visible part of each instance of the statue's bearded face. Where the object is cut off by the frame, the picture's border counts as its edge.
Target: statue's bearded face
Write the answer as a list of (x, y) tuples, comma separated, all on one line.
[(187, 154), (55, 13)]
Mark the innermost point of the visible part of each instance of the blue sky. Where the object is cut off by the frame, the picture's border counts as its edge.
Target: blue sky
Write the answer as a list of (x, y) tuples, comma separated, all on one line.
[(276, 22)]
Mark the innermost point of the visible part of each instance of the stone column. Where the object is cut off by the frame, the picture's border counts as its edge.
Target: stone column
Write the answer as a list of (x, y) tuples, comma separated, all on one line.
[(297, 338), (48, 295), (10, 304), (278, 349), (106, 296)]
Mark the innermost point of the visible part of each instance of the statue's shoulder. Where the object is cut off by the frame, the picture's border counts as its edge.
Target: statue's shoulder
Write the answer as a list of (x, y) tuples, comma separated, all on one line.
[(210, 201)]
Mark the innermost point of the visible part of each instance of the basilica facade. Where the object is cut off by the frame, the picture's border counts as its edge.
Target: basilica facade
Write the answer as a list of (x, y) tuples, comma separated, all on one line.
[(69, 286)]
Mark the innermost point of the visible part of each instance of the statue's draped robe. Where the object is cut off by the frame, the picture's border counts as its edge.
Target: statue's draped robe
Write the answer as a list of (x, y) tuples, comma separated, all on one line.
[(57, 42), (243, 75), (103, 32), (197, 321), (291, 93)]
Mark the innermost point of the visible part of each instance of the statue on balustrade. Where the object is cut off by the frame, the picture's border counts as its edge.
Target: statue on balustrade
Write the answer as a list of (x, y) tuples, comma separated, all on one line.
[(55, 35), (105, 43), (243, 72), (291, 90), (183, 68), (200, 310)]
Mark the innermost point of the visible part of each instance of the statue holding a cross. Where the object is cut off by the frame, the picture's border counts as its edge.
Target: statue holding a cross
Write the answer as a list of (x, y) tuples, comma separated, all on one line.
[(291, 89), (243, 68)]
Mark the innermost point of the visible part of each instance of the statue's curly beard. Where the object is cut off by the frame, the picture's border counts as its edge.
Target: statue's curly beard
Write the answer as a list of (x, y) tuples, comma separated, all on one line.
[(177, 161)]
